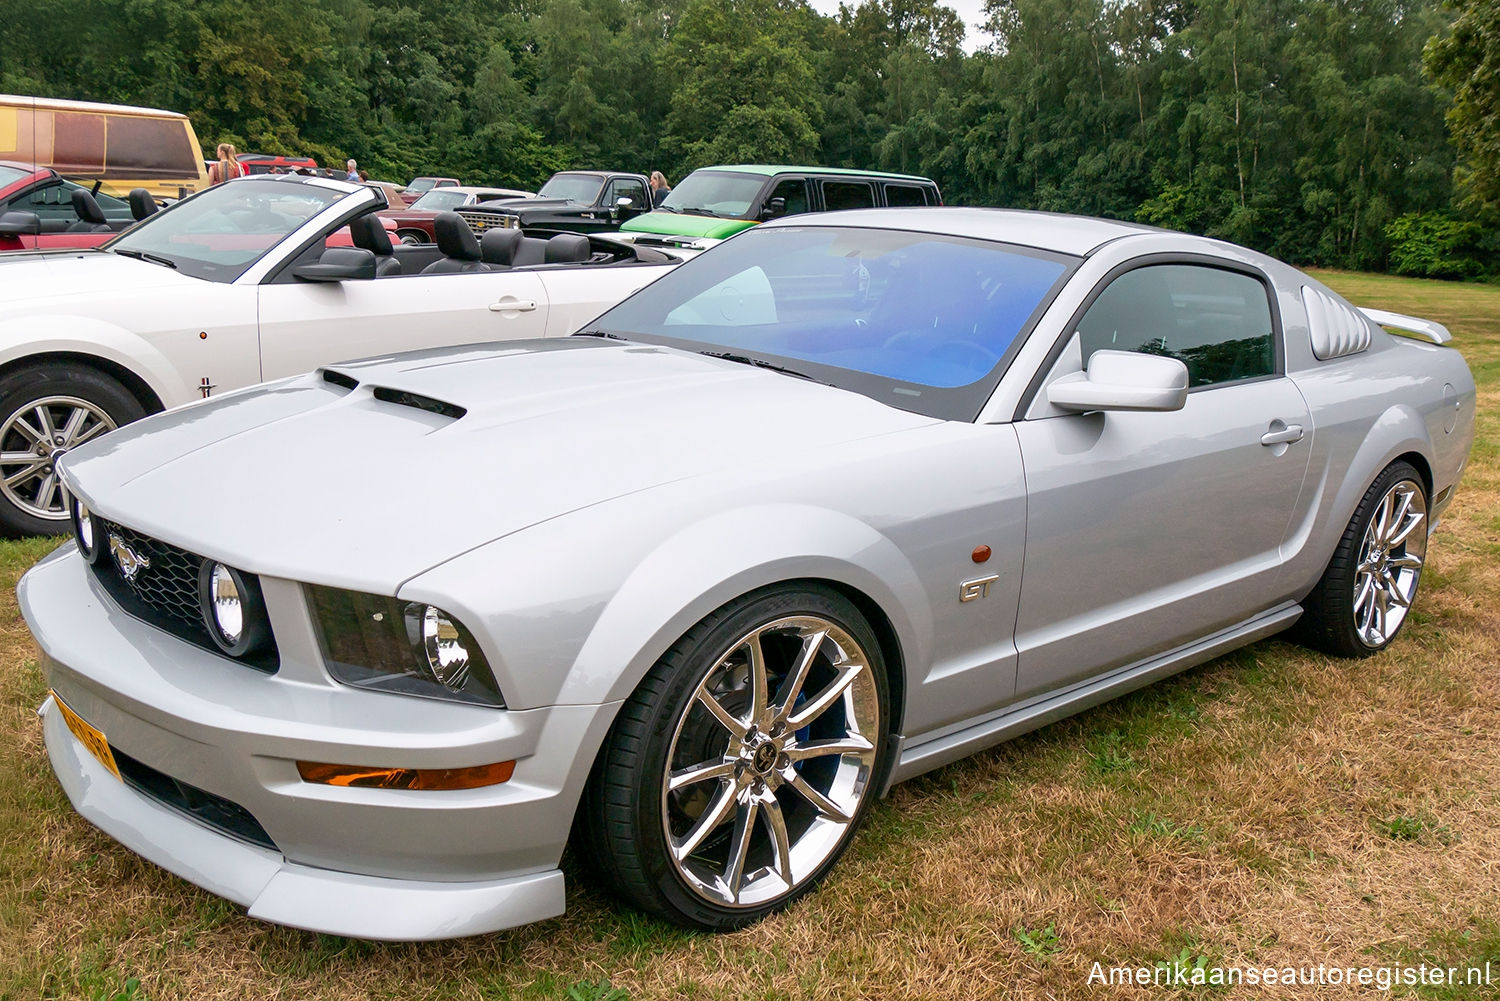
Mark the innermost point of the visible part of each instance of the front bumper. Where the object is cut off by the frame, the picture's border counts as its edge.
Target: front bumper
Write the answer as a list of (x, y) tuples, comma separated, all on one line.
[(370, 863)]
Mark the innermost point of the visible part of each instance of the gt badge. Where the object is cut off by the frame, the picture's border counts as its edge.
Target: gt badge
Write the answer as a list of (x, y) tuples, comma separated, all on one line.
[(127, 559), (979, 587)]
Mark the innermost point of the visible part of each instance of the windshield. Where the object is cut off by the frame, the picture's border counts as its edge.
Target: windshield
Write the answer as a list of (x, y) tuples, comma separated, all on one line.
[(715, 193), (915, 320), (218, 233), (574, 187), (440, 200), (10, 175), (420, 185)]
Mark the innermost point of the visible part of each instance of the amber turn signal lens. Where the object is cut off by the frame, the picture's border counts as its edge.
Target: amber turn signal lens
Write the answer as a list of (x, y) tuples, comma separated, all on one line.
[(365, 777)]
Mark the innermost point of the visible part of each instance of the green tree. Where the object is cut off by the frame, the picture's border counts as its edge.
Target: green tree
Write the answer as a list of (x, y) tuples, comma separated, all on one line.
[(1467, 62)]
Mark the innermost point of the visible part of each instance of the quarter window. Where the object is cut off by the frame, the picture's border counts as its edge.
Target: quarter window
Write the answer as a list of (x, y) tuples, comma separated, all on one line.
[(1216, 322), (847, 195), (897, 195)]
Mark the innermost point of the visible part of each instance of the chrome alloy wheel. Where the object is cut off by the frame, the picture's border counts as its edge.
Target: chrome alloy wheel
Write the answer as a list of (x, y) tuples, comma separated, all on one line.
[(32, 440), (1390, 562), (770, 762)]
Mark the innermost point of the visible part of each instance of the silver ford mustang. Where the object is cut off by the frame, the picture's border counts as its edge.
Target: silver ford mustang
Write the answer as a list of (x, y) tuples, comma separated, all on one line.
[(843, 500)]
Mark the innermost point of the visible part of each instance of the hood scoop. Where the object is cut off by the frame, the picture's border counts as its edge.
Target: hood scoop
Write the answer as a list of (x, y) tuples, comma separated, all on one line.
[(403, 398), (347, 382)]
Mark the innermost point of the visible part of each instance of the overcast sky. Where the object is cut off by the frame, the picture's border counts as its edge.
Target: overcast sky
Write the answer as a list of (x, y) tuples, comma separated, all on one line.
[(972, 11)]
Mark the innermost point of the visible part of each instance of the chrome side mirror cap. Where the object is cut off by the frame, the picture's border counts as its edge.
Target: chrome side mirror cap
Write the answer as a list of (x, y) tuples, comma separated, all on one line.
[(1123, 380)]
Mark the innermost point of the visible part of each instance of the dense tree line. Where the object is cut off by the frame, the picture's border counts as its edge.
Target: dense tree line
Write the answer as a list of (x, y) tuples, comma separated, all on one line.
[(1307, 128)]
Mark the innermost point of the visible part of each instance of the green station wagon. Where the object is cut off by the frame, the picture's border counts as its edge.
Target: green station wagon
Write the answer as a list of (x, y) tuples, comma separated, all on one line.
[(718, 202)]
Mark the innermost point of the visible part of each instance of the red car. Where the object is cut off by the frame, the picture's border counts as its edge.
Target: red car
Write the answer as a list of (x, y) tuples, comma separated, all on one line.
[(39, 210), (414, 224), (421, 185), (47, 211)]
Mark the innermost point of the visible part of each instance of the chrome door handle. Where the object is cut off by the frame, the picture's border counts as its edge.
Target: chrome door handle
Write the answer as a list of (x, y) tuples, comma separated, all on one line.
[(1286, 435), (509, 305)]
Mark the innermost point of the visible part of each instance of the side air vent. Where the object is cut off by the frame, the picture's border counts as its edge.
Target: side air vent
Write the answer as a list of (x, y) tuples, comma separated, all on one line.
[(339, 379), (401, 398), (1337, 330)]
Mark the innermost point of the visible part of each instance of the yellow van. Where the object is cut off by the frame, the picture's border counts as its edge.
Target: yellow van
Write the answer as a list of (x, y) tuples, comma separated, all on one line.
[(118, 146)]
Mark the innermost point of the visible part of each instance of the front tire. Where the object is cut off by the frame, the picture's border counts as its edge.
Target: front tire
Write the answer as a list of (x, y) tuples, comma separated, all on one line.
[(1362, 600), (45, 410), (737, 773)]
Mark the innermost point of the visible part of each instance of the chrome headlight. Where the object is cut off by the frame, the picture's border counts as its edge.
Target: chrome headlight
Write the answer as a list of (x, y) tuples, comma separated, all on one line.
[(382, 643), (85, 530), (233, 609)]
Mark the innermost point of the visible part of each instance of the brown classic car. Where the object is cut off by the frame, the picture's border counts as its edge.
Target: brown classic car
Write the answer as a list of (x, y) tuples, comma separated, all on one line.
[(414, 224)]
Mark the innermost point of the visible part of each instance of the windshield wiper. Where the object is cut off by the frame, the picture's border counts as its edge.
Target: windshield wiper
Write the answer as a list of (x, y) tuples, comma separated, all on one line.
[(141, 255), (762, 363), (699, 211), (600, 333)]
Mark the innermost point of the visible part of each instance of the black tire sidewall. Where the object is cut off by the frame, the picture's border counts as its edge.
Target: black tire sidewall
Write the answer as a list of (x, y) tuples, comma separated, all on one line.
[(1328, 618), (681, 670), (33, 383)]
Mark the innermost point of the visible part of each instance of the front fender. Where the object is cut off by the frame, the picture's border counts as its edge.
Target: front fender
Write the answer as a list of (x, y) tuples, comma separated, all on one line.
[(713, 561), (30, 336)]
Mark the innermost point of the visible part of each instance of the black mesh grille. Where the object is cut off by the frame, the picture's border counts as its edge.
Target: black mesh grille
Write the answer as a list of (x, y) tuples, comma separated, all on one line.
[(163, 590), (167, 578), (214, 811)]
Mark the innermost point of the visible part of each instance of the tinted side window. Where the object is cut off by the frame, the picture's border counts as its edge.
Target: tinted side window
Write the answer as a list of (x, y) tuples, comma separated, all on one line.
[(794, 192), (897, 195), (1216, 322), (629, 189), (847, 195)]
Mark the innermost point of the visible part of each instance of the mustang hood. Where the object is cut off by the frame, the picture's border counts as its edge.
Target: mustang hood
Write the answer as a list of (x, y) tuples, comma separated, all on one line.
[(67, 275), (433, 453)]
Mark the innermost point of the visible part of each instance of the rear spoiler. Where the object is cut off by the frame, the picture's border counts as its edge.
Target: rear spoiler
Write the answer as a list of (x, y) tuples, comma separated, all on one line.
[(1428, 330)]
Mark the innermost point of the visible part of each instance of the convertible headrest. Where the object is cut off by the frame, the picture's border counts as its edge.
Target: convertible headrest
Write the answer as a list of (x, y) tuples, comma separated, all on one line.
[(454, 237), (142, 204), (499, 246), (369, 233), (88, 210), (568, 248)]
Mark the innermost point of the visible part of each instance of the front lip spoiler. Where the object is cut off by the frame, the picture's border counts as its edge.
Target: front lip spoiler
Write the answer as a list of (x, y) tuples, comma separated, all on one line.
[(282, 892)]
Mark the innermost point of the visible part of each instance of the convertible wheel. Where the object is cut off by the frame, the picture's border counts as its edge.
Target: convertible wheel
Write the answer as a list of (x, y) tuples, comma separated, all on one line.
[(739, 770), (47, 410), (1361, 602)]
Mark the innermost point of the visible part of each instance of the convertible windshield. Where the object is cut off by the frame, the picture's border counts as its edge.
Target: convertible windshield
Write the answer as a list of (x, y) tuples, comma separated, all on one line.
[(716, 193), (574, 187), (10, 175), (219, 233), (440, 200), (915, 320)]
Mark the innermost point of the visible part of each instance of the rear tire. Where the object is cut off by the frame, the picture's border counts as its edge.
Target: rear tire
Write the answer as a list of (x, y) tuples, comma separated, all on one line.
[(46, 410), (1362, 600), (738, 771), (412, 238)]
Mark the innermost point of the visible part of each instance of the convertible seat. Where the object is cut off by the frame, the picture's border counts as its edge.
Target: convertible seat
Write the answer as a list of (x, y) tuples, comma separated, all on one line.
[(531, 250), (90, 215), (368, 233), (568, 248), (499, 246), (459, 245), (142, 204)]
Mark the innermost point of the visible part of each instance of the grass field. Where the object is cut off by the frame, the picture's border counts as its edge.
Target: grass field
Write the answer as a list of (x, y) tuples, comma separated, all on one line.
[(1274, 807)]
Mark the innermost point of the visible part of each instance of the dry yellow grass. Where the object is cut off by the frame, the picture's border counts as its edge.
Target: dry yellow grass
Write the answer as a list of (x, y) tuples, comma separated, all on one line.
[(1275, 807)]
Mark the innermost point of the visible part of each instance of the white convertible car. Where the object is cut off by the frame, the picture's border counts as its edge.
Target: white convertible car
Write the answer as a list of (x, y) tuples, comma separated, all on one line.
[(252, 280)]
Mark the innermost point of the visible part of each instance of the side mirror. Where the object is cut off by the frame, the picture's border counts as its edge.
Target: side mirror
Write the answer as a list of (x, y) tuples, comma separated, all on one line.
[(1123, 380), (773, 208), (624, 202), (338, 264), (20, 224)]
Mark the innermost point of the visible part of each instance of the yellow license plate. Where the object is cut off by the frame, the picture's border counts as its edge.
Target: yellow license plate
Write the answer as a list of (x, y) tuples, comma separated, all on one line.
[(89, 736)]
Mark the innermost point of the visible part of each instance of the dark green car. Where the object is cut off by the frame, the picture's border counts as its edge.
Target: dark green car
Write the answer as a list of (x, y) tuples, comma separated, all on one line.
[(717, 202)]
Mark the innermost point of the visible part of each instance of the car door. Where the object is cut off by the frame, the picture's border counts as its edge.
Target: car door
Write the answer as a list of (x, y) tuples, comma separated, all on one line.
[(1148, 529), (307, 324)]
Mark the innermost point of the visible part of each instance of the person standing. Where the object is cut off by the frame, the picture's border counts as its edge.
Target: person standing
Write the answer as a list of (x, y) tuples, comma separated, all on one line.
[(353, 169), (660, 189), (227, 166)]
